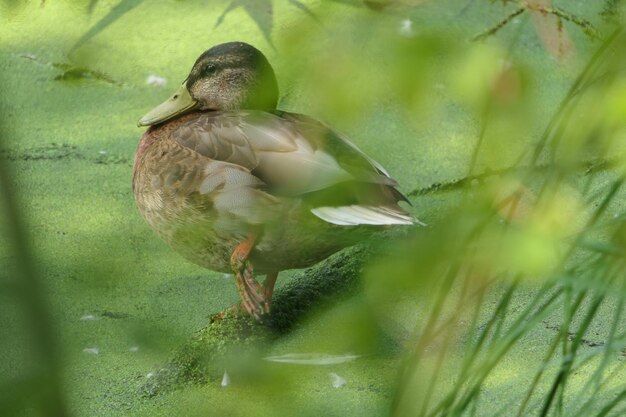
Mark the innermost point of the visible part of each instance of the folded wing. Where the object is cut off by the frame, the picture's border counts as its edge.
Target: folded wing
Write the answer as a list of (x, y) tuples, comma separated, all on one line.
[(296, 156)]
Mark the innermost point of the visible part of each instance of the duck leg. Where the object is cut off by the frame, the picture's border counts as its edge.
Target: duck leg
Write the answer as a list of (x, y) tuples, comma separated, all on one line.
[(253, 294), (268, 284)]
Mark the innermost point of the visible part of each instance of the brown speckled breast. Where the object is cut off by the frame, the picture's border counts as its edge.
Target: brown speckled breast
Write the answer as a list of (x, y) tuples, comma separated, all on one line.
[(165, 176)]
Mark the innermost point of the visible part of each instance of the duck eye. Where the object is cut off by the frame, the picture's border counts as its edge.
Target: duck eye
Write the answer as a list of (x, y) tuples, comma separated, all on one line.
[(210, 69)]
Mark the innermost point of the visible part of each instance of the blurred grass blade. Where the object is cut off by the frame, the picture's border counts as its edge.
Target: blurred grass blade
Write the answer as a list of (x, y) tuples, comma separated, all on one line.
[(114, 14), (45, 389), (260, 11)]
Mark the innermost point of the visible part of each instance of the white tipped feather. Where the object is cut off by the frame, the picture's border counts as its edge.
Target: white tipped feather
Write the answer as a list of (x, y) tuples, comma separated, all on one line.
[(355, 215)]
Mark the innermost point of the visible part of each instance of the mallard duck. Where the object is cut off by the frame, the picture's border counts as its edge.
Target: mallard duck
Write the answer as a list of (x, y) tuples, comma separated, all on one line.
[(235, 185)]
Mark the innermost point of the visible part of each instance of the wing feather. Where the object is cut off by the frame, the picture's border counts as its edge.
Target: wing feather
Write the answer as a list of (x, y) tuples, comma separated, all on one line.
[(355, 215), (296, 156)]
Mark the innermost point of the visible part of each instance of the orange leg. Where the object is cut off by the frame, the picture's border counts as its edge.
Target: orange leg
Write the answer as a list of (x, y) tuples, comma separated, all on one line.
[(253, 294), (268, 284)]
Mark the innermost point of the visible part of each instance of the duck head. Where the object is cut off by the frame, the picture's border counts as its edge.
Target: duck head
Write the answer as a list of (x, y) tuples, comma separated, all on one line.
[(229, 76)]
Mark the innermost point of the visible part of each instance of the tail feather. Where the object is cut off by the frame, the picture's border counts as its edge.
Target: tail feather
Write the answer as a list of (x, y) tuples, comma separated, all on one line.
[(355, 215)]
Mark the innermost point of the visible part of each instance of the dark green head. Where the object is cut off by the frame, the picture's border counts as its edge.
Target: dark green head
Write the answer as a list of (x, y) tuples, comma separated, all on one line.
[(229, 76)]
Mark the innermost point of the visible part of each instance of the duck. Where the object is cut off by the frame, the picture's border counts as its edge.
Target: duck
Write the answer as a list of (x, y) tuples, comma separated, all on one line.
[(237, 186)]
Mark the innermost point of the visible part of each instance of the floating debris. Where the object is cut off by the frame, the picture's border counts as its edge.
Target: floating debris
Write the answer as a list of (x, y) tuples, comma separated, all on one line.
[(70, 72), (225, 380), (134, 349), (336, 380), (114, 315), (91, 350), (50, 151), (32, 57), (406, 28), (227, 276), (149, 374), (156, 81), (311, 358), (88, 317)]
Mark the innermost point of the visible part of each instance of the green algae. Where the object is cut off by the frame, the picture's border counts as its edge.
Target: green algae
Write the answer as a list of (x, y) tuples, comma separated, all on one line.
[(70, 143)]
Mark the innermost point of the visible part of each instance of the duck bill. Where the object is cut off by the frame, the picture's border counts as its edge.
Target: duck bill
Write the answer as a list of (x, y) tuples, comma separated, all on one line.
[(180, 102)]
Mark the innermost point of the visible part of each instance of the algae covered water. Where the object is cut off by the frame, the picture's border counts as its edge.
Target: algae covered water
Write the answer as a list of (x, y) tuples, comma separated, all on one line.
[(502, 121)]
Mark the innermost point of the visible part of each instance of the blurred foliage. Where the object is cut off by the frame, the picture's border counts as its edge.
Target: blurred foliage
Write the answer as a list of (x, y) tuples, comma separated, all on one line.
[(116, 12), (511, 301), (544, 10), (20, 282), (260, 11), (542, 234)]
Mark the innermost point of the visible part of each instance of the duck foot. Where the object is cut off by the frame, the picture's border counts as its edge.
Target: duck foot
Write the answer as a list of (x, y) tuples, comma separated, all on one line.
[(253, 295)]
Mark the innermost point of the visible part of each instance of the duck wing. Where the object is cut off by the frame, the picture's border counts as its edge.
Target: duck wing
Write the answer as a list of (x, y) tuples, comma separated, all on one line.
[(174, 184), (296, 156), (347, 154)]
